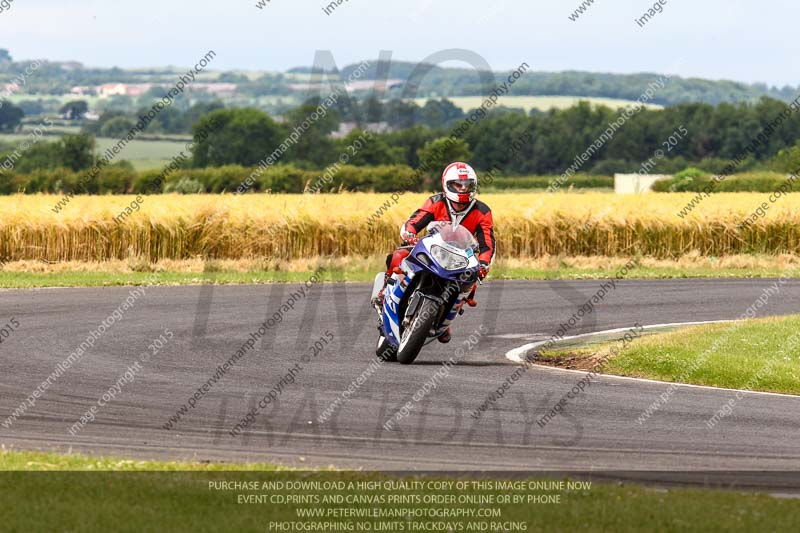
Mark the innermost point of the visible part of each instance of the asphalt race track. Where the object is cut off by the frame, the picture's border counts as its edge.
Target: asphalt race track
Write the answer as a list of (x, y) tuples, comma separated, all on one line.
[(597, 430)]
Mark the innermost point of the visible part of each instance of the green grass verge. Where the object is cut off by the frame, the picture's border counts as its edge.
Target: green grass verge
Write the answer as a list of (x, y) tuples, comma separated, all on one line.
[(12, 460), (526, 190), (761, 354), (196, 501), (25, 280)]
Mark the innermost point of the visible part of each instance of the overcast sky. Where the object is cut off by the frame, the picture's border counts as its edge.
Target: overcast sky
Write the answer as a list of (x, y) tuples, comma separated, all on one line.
[(745, 40)]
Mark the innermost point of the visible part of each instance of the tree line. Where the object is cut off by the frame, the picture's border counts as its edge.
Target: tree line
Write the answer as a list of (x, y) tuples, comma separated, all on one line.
[(668, 140), (663, 141)]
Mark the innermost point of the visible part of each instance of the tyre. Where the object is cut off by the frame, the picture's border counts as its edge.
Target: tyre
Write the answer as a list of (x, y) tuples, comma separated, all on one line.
[(414, 336), (385, 351)]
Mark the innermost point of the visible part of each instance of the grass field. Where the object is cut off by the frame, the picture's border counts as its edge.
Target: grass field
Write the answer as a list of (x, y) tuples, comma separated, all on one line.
[(94, 494), (143, 154), (289, 227), (761, 354), (62, 99), (542, 103), (28, 274)]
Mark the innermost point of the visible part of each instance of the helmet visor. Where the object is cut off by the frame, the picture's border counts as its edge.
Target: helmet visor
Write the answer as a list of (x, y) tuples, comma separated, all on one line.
[(462, 186)]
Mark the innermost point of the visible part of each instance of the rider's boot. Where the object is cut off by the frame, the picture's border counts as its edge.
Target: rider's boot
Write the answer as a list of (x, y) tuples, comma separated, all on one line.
[(471, 298), (393, 261), (377, 302), (445, 337)]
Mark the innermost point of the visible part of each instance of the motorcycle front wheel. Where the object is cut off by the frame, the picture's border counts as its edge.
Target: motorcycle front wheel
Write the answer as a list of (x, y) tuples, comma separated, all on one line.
[(414, 336), (385, 351)]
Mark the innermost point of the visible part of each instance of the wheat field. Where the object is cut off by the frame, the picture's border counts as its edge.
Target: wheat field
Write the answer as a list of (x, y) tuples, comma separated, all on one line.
[(290, 227)]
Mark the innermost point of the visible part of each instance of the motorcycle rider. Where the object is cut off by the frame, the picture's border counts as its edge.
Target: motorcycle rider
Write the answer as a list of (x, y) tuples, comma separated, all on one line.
[(455, 204)]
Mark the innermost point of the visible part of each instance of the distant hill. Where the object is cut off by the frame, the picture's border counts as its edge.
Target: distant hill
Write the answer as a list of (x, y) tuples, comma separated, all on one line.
[(450, 82), (57, 79)]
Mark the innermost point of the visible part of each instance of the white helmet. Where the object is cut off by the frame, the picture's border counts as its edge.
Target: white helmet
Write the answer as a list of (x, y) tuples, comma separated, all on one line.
[(459, 182)]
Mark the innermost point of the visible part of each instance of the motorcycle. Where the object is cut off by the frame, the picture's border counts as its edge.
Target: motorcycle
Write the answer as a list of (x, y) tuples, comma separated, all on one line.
[(426, 292)]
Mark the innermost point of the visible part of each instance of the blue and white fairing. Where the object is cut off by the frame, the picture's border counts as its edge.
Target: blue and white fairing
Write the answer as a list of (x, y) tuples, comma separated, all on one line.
[(447, 252)]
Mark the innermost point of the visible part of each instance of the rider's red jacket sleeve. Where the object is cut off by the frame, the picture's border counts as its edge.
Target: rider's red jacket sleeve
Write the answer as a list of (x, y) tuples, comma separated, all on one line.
[(484, 232), (421, 217)]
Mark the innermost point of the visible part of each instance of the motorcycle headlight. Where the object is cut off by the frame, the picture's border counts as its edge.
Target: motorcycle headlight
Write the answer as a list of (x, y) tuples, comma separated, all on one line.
[(448, 259)]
